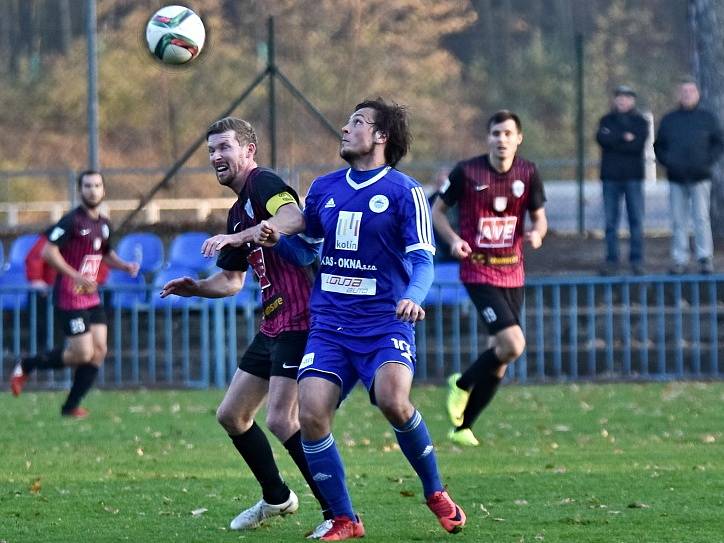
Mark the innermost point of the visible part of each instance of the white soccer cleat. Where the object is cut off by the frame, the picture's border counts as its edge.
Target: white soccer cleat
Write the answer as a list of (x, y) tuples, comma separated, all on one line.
[(256, 514), (320, 530)]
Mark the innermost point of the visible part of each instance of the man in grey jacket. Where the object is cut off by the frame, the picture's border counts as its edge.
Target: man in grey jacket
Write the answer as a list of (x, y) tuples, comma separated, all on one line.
[(688, 143)]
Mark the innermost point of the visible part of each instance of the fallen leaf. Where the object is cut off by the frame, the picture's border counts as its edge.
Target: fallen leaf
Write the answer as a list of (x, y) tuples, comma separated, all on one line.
[(638, 505), (35, 487), (708, 438), (139, 451), (520, 502), (407, 493), (198, 512)]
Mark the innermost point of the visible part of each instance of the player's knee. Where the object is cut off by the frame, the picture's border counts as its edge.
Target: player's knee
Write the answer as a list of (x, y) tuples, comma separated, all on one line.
[(99, 354), (396, 410), (81, 355), (233, 423), (281, 425), (313, 426), (511, 346)]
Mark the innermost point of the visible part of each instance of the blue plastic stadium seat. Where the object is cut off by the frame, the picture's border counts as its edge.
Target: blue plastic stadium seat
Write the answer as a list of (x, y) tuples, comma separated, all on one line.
[(126, 298), (250, 292), (446, 289), (146, 248), (13, 289), (163, 277), (19, 249), (185, 251)]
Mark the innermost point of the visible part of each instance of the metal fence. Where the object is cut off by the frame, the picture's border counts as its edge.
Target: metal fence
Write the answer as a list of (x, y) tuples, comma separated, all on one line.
[(582, 328), (194, 194)]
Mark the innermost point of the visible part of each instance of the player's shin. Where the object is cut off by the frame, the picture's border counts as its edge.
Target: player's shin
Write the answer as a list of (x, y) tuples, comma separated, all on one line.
[(327, 469), (416, 444)]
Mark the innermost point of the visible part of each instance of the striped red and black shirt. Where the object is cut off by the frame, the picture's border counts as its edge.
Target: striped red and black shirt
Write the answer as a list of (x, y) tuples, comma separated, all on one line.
[(493, 207), (285, 287), (82, 241)]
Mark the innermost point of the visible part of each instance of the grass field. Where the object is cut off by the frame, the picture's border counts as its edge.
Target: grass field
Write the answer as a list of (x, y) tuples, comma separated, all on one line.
[(574, 463)]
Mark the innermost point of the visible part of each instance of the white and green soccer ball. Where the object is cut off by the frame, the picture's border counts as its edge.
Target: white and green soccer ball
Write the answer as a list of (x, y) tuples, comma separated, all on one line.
[(175, 35)]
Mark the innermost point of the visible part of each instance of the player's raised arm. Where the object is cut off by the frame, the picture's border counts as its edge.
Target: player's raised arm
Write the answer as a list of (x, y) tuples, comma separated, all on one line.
[(221, 284)]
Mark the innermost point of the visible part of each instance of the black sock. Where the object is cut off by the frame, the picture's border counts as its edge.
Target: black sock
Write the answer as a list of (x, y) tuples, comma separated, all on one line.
[(294, 447), (83, 380), (486, 364), (254, 448), (479, 398), (50, 360)]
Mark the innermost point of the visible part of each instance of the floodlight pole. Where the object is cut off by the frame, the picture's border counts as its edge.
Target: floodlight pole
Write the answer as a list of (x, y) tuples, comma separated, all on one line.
[(92, 32), (272, 70), (580, 133)]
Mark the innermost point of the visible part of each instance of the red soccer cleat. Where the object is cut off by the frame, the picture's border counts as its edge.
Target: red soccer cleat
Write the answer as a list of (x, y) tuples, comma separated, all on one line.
[(448, 513), (343, 528), (18, 380), (76, 413)]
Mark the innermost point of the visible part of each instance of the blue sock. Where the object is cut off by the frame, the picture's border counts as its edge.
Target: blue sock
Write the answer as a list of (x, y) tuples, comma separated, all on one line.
[(327, 470), (416, 445)]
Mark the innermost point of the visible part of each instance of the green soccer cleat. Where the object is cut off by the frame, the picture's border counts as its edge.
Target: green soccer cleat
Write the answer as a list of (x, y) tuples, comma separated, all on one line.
[(464, 437), (457, 399)]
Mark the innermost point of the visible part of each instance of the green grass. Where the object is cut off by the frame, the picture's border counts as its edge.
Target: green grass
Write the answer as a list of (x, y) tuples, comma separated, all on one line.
[(610, 463)]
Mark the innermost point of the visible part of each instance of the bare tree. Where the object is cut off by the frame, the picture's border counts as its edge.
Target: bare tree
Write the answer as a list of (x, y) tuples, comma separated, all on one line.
[(706, 20)]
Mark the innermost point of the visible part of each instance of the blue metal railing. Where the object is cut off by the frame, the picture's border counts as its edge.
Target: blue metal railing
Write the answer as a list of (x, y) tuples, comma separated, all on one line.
[(577, 328)]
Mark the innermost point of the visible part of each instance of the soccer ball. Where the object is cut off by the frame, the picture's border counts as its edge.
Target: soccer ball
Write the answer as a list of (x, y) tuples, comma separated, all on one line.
[(175, 35)]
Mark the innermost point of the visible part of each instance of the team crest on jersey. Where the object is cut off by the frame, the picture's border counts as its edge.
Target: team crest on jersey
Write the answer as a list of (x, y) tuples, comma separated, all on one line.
[(105, 232), (248, 209), (97, 244), (348, 229), (379, 203), (500, 203), (518, 188)]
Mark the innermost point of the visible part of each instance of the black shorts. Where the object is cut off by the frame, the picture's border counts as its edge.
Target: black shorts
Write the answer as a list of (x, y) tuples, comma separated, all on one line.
[(75, 322), (275, 356), (499, 307)]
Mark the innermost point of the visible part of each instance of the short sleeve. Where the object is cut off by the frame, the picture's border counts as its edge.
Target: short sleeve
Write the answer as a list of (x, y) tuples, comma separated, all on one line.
[(60, 233), (415, 220), (233, 258), (272, 192), (108, 243), (313, 224), (537, 193), (452, 188)]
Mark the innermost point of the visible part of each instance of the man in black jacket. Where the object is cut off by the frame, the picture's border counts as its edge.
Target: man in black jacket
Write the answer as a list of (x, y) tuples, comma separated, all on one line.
[(688, 143), (622, 134)]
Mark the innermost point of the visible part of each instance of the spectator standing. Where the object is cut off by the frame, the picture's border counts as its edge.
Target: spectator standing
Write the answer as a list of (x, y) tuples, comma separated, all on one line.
[(688, 143), (622, 134)]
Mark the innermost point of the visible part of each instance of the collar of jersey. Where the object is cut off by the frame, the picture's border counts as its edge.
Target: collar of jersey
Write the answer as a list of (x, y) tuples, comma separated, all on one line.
[(376, 177)]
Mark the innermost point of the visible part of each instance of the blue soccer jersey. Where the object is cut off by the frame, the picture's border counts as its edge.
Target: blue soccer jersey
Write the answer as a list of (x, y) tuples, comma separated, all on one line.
[(369, 227)]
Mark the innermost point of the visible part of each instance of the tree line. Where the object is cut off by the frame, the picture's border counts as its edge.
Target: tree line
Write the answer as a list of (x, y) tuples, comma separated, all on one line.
[(452, 62)]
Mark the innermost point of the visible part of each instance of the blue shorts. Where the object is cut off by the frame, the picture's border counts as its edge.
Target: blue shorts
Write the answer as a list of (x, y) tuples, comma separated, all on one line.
[(345, 359)]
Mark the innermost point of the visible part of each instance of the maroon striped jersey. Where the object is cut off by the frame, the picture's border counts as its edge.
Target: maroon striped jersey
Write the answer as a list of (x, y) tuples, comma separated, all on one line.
[(285, 288), (493, 207), (82, 241)]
